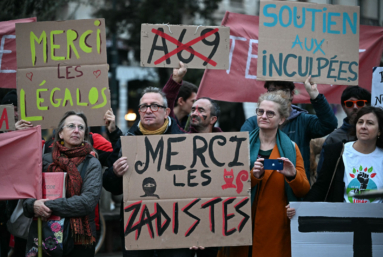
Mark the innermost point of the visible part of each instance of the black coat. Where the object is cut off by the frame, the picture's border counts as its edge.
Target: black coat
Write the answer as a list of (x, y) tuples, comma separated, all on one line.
[(319, 190)]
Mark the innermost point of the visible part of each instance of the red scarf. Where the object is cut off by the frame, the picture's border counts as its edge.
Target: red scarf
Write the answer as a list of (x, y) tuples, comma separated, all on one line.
[(67, 160)]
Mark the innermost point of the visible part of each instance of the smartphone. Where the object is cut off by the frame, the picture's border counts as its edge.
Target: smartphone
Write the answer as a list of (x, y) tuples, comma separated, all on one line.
[(272, 164)]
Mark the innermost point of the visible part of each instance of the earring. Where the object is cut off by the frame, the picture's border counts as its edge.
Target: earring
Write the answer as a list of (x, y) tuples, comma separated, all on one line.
[(62, 142)]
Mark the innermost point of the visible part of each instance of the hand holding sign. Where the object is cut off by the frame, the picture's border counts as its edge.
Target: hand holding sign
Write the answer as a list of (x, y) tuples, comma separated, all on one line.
[(311, 88), (197, 248), (22, 124), (178, 74), (290, 211), (110, 120), (40, 209), (120, 166)]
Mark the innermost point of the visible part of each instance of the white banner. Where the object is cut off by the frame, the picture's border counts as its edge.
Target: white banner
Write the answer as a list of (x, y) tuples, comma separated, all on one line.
[(337, 229)]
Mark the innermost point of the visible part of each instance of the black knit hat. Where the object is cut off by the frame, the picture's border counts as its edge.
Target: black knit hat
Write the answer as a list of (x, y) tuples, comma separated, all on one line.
[(10, 98)]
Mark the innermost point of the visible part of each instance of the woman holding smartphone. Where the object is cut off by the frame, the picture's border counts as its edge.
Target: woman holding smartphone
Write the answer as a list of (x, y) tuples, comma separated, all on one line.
[(272, 189)]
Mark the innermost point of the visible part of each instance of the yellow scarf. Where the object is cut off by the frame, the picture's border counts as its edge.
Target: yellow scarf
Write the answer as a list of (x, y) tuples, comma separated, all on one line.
[(159, 131)]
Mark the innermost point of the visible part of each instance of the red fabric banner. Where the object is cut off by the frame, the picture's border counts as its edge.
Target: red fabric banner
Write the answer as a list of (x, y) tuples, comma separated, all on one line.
[(21, 164), (8, 64), (239, 83)]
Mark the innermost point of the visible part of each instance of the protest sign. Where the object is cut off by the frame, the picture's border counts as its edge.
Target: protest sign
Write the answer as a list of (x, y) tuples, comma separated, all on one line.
[(202, 47), (62, 67), (336, 229), (298, 39), (377, 87), (239, 83), (7, 117), (21, 164), (8, 63), (185, 190)]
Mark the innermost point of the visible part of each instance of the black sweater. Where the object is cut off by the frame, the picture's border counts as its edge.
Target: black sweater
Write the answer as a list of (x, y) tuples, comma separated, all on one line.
[(319, 190)]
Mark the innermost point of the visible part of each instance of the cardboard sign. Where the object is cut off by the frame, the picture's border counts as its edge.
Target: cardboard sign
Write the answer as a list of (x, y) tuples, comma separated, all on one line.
[(62, 67), (377, 87), (202, 47), (239, 83), (299, 39), (7, 117), (337, 229), (185, 190), (8, 65)]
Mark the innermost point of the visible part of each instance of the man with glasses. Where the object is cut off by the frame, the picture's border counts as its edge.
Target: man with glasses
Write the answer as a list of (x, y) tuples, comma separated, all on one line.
[(204, 111), (154, 120), (301, 127), (353, 98)]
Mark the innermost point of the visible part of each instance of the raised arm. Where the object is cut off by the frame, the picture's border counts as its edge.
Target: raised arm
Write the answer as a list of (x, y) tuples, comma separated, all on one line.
[(173, 86), (325, 121)]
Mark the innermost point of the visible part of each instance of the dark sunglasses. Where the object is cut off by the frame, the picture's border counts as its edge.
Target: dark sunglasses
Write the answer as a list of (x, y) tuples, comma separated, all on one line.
[(269, 114), (359, 103)]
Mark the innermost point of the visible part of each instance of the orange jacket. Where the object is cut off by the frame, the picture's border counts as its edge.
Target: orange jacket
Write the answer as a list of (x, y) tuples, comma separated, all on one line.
[(271, 233)]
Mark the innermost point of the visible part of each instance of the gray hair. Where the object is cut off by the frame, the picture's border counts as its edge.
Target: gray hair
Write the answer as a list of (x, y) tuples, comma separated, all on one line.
[(155, 90), (280, 98)]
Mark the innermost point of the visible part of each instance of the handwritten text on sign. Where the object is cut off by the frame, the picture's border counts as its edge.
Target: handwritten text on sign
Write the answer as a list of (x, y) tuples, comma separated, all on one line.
[(8, 64), (299, 39), (7, 118), (187, 190), (197, 46), (377, 87), (61, 67)]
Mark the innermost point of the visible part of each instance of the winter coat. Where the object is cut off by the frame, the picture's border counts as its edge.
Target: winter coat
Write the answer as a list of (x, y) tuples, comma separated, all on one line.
[(341, 134), (271, 227), (79, 205), (322, 185)]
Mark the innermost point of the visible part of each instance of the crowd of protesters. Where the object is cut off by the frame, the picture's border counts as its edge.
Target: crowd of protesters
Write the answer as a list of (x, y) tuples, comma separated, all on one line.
[(279, 130)]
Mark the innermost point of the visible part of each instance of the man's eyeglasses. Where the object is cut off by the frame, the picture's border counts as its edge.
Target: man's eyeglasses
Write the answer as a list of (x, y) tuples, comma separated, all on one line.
[(286, 90), (153, 107), (260, 112), (72, 126), (351, 103)]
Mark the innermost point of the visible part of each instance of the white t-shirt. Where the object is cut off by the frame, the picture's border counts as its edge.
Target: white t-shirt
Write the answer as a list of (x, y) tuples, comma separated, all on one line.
[(362, 172)]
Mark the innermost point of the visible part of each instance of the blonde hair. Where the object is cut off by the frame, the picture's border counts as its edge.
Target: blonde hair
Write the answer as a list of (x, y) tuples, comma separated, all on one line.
[(279, 97)]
